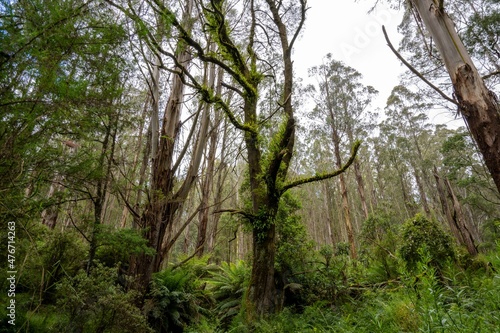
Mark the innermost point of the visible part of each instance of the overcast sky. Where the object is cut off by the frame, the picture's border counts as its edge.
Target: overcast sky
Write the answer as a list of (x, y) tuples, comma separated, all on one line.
[(344, 29)]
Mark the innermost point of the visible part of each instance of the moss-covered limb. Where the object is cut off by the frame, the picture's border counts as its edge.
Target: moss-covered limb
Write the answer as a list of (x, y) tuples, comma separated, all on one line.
[(232, 118), (324, 176), (208, 95), (233, 88), (278, 149), (251, 38), (246, 215), (220, 31), (170, 18)]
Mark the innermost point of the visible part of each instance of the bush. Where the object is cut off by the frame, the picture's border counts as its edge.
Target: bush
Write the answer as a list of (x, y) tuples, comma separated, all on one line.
[(379, 243), (422, 235), (55, 256), (96, 303)]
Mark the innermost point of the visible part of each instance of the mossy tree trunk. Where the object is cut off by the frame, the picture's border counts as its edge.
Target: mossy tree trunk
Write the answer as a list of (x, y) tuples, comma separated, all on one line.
[(267, 166)]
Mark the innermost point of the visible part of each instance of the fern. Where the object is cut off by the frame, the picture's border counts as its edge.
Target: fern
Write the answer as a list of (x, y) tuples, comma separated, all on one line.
[(228, 286)]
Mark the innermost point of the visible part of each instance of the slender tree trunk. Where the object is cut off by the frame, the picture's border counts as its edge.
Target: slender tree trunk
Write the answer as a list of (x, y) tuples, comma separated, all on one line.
[(446, 208), (463, 235), (206, 187), (361, 188), (358, 175), (408, 203), (343, 192), (338, 162), (477, 104), (105, 163), (222, 174), (207, 181), (50, 214), (164, 203), (459, 218), (142, 179), (327, 199), (421, 192), (128, 189)]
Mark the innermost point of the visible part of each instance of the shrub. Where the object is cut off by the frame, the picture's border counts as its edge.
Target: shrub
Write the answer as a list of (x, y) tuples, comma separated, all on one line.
[(421, 234), (379, 243), (96, 303)]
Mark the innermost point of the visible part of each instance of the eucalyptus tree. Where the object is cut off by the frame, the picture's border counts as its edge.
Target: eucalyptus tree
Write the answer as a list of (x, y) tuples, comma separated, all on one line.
[(406, 116), (407, 131), (471, 195), (174, 158), (259, 29), (474, 100), (343, 101)]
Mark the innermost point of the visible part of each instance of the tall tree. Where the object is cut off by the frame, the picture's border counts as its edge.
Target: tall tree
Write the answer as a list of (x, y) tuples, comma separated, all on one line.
[(475, 102), (343, 102), (268, 21)]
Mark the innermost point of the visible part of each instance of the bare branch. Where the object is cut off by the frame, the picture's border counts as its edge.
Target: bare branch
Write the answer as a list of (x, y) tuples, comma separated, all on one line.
[(414, 71)]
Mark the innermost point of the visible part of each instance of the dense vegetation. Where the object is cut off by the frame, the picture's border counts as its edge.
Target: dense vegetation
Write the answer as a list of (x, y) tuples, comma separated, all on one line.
[(163, 170)]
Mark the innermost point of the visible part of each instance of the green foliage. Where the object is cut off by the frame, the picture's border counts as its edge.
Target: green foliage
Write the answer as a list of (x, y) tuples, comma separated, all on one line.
[(379, 243), (96, 303), (328, 282), (420, 235), (54, 256), (228, 285), (293, 243), (467, 302), (117, 246), (176, 300)]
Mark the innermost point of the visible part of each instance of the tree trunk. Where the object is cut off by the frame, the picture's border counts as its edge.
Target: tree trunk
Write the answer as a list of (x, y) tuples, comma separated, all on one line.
[(262, 283), (338, 162), (357, 173), (343, 190), (221, 177), (206, 184), (454, 216), (105, 163), (361, 188), (458, 217), (327, 200), (50, 214), (138, 148), (421, 192), (164, 203), (477, 104)]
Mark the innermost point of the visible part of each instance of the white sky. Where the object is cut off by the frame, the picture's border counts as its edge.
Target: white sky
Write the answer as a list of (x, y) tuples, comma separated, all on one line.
[(344, 29)]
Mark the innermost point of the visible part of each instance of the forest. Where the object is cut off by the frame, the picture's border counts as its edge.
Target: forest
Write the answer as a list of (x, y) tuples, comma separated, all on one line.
[(164, 169)]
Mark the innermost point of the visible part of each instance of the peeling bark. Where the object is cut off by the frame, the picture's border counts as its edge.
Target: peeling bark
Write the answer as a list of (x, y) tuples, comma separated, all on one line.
[(477, 104), (463, 233)]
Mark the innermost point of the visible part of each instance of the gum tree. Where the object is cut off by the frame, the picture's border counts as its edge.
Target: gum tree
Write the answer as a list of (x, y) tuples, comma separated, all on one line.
[(343, 101), (474, 101), (270, 31)]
